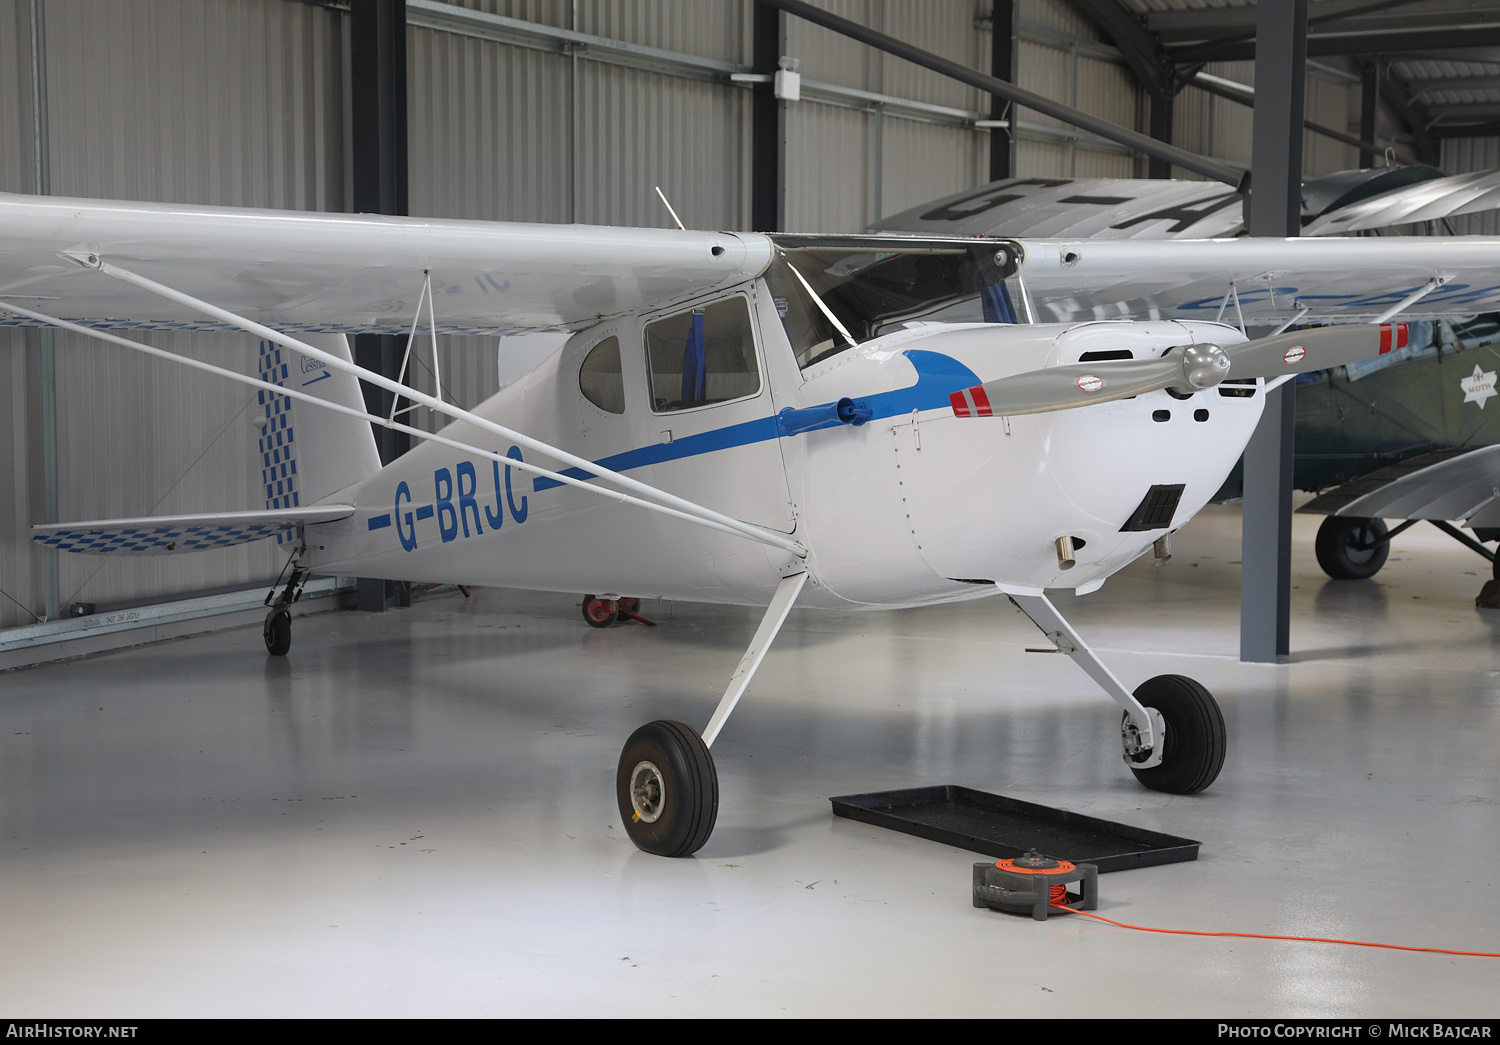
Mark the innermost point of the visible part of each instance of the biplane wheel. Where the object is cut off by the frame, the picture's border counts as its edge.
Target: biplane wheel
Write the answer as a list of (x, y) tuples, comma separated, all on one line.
[(600, 613), (668, 789), (1351, 549), (1193, 749), (278, 632)]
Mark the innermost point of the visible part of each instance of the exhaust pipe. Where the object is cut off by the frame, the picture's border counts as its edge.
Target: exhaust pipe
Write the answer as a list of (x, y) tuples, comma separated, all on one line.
[(1162, 547), (1067, 556)]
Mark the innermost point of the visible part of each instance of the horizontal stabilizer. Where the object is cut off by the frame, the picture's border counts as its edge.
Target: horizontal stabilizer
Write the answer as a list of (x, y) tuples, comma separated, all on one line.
[(166, 534)]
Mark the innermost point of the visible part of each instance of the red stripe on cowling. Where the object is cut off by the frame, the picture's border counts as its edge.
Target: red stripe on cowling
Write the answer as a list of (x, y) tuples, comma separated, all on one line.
[(1385, 338), (981, 401), (960, 404), (1401, 334)]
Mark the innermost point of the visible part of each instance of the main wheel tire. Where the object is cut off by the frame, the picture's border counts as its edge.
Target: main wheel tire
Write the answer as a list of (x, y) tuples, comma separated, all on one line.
[(599, 612), (667, 789), (1193, 749), (1352, 549), (278, 632)]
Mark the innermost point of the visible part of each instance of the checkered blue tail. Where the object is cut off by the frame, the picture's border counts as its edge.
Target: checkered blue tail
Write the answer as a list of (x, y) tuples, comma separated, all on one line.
[(278, 447)]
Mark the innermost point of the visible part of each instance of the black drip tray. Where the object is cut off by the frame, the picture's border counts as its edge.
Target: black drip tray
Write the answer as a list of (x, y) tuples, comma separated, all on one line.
[(1004, 827)]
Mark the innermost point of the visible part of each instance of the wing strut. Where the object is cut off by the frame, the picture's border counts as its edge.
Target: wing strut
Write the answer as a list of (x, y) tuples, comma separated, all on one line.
[(683, 505), (1412, 298), (741, 530), (781, 604)]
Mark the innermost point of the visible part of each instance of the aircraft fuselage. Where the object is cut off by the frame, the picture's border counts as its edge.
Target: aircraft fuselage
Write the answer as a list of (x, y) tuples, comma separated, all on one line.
[(914, 505)]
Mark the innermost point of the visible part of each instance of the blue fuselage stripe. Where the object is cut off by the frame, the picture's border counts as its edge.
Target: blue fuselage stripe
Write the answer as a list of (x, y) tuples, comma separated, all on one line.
[(938, 376)]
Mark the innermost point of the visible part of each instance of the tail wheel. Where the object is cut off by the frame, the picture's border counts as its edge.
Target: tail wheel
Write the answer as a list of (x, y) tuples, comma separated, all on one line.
[(1195, 742), (1352, 549), (277, 632), (600, 613), (667, 789)]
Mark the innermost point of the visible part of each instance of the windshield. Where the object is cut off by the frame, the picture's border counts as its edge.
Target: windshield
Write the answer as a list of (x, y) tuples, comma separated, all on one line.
[(872, 286)]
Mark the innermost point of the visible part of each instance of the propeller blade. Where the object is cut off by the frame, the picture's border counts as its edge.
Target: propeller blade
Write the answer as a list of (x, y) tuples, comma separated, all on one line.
[(1189, 368), (1303, 351)]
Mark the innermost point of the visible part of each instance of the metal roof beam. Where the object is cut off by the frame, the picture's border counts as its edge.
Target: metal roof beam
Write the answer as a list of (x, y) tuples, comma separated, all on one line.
[(1200, 51), (1018, 95), (1448, 114), (1476, 34), (1218, 23), (1467, 130), (1245, 95), (1395, 91), (1428, 85), (1142, 52)]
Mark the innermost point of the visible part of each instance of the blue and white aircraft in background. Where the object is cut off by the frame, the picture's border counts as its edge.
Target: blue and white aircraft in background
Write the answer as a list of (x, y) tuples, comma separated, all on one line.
[(840, 421)]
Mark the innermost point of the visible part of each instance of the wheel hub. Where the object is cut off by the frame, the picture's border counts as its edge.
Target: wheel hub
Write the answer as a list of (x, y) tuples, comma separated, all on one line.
[(648, 792), (1138, 756)]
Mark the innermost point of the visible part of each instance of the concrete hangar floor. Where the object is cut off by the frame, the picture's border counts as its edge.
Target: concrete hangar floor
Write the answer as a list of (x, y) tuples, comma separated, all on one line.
[(413, 813)]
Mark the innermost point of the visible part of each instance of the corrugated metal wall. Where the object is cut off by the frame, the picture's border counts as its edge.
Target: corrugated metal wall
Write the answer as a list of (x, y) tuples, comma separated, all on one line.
[(244, 102), (20, 568), (239, 103), (1057, 70)]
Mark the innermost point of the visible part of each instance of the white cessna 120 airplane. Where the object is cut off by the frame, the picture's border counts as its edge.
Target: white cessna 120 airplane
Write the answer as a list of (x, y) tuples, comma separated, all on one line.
[(848, 421)]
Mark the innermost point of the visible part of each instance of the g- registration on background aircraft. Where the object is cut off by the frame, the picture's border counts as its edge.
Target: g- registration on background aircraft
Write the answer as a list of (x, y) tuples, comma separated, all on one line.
[(840, 421)]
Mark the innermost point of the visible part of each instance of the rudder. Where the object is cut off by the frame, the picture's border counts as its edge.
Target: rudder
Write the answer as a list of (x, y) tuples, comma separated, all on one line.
[(309, 453)]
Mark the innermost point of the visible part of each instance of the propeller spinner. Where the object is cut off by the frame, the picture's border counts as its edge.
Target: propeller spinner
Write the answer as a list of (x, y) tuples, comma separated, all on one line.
[(1183, 369)]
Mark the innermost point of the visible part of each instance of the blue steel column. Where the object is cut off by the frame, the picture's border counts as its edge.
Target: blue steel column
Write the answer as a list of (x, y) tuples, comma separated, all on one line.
[(377, 46), (1161, 117), (46, 355), (1275, 210), (1369, 109), (1003, 38), (767, 124)]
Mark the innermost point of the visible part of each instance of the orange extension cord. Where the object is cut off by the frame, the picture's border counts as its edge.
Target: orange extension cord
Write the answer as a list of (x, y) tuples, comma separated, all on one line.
[(1059, 896)]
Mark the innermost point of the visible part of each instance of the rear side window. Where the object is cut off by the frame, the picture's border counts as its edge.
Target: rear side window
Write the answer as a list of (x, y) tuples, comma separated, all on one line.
[(599, 378), (703, 356)]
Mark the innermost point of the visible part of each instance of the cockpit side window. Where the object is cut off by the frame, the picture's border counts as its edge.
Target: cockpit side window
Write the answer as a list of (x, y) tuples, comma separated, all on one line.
[(706, 355), (600, 379)]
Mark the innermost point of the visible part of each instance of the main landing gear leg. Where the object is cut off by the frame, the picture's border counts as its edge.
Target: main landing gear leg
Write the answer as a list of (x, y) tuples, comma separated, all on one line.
[(666, 785), (277, 630), (1172, 731)]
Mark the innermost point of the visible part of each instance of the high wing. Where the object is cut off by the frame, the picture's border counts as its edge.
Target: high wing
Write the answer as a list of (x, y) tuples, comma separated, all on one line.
[(301, 271), (1269, 281), (1459, 484), (1089, 208), (1140, 208), (1423, 201)]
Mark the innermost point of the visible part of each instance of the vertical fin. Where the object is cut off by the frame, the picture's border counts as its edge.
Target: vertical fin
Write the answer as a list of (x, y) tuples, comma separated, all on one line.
[(309, 454), (334, 451)]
